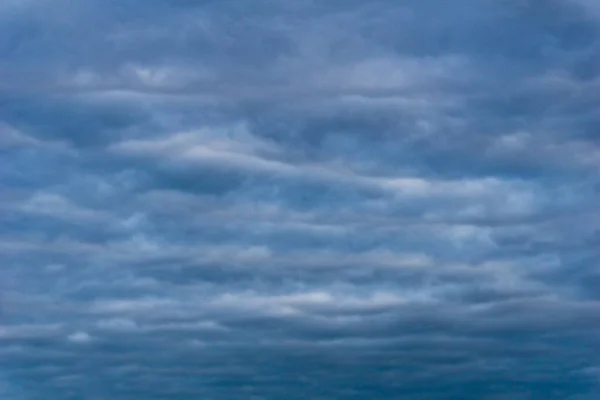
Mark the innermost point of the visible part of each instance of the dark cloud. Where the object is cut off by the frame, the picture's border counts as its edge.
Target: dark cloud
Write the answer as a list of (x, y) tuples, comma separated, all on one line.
[(328, 200)]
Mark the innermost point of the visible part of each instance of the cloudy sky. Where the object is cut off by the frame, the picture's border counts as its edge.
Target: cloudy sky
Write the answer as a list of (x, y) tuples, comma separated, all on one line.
[(277, 199)]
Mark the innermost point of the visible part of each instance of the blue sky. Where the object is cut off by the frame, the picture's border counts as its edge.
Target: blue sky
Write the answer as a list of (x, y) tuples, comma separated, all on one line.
[(305, 199)]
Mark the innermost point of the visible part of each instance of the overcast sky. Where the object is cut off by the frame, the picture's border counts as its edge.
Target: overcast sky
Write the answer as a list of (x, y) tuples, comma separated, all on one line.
[(299, 199)]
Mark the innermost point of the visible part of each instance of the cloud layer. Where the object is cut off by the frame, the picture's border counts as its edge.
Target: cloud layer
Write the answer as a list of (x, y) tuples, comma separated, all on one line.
[(322, 200)]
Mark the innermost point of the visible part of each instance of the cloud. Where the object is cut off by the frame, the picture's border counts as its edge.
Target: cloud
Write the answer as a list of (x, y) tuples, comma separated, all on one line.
[(334, 200), (79, 337)]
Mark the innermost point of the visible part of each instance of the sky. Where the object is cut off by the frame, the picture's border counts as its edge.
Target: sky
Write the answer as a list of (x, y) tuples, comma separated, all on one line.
[(277, 199)]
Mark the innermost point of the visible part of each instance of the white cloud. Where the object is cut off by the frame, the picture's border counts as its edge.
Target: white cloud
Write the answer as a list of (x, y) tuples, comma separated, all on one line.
[(11, 137), (79, 337), (142, 305), (58, 206), (305, 303), (118, 324), (245, 153), (387, 74)]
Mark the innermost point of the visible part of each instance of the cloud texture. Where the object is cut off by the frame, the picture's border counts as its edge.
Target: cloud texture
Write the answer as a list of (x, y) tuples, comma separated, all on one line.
[(299, 199)]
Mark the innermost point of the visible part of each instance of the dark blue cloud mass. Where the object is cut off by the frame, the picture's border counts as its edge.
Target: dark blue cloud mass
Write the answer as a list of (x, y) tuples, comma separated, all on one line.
[(278, 199)]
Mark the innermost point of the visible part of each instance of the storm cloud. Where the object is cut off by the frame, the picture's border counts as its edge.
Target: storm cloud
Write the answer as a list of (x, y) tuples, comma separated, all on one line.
[(299, 200)]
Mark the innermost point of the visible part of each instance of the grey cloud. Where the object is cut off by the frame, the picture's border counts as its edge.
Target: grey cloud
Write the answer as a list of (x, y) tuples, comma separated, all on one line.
[(338, 200)]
